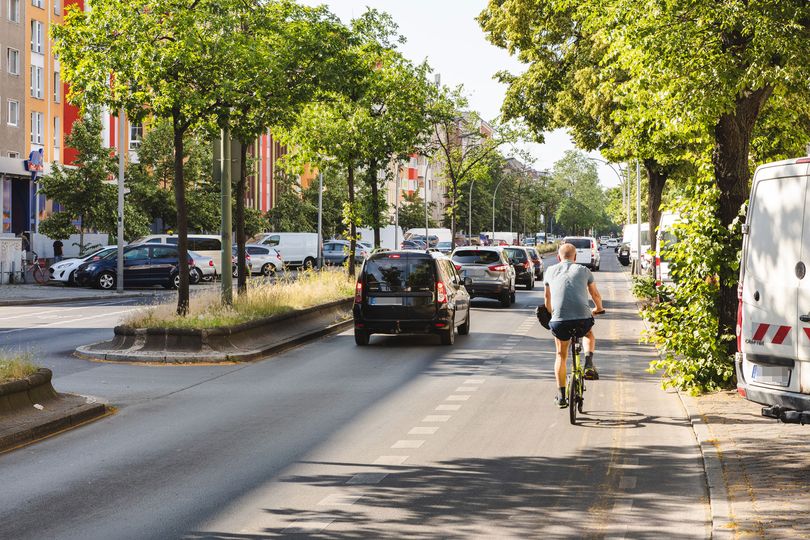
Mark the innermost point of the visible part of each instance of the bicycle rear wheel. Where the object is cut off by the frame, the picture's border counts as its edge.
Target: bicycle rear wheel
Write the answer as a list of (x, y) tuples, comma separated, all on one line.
[(573, 397)]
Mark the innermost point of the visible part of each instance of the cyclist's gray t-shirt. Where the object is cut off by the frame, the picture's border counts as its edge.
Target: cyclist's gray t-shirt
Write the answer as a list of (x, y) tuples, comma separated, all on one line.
[(569, 291)]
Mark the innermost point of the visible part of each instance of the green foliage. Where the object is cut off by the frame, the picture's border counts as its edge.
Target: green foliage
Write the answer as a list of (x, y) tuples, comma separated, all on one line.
[(292, 212), (583, 201), (412, 212), (644, 288), (684, 327), (58, 226)]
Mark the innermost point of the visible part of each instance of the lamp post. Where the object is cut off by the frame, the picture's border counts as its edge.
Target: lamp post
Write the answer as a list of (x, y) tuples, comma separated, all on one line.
[(427, 222), (397, 189), (119, 288), (638, 215), (494, 193), (469, 223), (320, 219)]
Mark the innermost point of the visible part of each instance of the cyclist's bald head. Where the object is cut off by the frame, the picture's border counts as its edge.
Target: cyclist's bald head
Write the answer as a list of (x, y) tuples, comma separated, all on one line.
[(567, 252)]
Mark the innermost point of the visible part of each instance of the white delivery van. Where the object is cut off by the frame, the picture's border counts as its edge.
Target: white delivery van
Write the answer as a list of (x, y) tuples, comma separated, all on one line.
[(295, 248), (388, 236), (630, 234), (207, 245), (664, 236), (587, 251), (773, 317)]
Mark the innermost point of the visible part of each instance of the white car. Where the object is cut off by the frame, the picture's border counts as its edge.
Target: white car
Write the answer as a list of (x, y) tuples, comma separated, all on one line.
[(587, 251), (266, 260), (612, 243), (203, 269), (65, 270)]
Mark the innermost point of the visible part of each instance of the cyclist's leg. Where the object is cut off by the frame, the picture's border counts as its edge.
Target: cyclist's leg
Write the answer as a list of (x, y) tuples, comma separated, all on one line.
[(589, 346), (560, 360)]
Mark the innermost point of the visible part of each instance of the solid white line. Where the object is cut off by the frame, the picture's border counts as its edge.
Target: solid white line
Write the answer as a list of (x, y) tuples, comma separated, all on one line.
[(37, 327), (66, 308), (408, 443), (457, 398), (366, 478), (420, 430), (436, 418), (339, 499), (447, 408), (390, 460)]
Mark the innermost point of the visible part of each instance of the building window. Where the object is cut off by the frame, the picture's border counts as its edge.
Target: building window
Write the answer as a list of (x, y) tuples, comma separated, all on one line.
[(57, 87), (57, 7), (36, 128), (13, 112), (36, 3), (56, 133), (13, 61), (36, 36), (14, 155), (14, 10), (135, 136), (36, 82)]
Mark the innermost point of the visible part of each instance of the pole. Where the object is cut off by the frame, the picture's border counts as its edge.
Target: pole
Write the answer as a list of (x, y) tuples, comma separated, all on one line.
[(511, 208), (119, 288), (638, 215), (469, 224), (494, 193), (320, 220), (397, 186), (427, 223), (227, 225)]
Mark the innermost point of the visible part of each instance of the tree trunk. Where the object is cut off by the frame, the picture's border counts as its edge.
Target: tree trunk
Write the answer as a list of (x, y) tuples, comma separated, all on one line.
[(182, 214), (81, 234), (375, 201), (453, 199), (658, 175), (241, 263), (732, 174), (352, 226)]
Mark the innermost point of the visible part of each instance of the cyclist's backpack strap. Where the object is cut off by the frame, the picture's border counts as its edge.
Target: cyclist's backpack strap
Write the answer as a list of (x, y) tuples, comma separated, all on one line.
[(544, 316)]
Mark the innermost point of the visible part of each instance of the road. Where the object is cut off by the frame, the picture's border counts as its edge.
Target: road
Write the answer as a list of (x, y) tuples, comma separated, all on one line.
[(404, 438)]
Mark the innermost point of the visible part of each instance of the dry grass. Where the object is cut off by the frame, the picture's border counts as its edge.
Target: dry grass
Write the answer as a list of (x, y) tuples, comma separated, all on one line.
[(15, 366), (263, 299)]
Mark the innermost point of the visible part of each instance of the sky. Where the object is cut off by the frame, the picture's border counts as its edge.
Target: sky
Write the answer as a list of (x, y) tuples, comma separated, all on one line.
[(446, 33)]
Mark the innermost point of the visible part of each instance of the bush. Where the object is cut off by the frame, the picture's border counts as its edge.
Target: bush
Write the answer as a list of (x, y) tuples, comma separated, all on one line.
[(684, 326), (644, 288), (16, 366)]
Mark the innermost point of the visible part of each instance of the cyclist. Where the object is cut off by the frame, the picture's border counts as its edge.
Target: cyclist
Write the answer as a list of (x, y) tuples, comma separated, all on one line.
[(567, 287)]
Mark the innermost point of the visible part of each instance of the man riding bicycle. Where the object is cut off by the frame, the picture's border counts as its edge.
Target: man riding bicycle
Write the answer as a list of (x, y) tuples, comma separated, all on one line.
[(567, 287)]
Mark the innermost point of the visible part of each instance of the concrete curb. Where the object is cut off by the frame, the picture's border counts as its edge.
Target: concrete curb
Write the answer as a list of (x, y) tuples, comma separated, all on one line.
[(64, 299), (34, 432)]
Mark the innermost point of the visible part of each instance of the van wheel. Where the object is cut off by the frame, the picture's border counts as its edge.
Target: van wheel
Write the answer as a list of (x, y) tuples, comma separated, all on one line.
[(506, 299), (448, 337), (361, 337), (464, 329), (309, 263)]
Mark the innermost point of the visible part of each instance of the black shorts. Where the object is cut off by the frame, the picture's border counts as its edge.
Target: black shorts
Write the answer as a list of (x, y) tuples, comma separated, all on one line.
[(565, 330)]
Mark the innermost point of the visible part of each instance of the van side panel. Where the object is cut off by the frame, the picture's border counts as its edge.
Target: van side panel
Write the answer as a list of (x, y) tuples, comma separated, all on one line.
[(803, 328)]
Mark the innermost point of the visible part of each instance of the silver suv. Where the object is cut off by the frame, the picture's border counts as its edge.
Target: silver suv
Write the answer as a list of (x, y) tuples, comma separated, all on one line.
[(489, 269)]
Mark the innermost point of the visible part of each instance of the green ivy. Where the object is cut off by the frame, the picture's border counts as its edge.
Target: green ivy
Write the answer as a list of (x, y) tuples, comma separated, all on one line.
[(644, 288)]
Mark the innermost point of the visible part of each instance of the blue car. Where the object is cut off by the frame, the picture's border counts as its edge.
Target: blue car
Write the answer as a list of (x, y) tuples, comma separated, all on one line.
[(144, 265)]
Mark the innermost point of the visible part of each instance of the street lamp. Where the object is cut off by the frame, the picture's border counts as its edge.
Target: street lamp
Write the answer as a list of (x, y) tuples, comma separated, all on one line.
[(469, 223), (494, 193), (320, 219)]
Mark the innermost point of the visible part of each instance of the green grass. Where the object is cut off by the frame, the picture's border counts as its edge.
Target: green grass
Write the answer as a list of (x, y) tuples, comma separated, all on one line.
[(15, 366), (263, 299)]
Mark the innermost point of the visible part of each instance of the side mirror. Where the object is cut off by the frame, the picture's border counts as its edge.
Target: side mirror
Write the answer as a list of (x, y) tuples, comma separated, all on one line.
[(468, 282)]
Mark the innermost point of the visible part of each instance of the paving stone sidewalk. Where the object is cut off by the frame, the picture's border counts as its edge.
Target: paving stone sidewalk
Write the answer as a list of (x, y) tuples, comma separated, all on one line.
[(764, 467)]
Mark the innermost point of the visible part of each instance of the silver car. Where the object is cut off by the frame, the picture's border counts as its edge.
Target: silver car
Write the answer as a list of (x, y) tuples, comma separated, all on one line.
[(493, 276), (265, 260), (203, 269)]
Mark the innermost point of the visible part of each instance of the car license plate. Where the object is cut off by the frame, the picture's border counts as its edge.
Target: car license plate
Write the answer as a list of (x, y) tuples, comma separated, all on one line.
[(775, 375), (385, 301)]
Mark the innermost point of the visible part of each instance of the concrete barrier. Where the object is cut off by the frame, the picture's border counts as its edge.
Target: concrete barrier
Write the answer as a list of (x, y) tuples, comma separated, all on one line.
[(24, 393), (237, 343)]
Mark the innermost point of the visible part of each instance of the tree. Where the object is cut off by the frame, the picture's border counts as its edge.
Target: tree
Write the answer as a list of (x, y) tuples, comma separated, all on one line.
[(583, 203), (412, 212)]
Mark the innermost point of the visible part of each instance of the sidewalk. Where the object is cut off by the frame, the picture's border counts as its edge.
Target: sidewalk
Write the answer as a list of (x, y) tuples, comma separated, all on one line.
[(760, 468)]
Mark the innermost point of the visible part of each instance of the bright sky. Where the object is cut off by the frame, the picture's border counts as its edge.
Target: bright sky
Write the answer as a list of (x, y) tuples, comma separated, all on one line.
[(446, 34)]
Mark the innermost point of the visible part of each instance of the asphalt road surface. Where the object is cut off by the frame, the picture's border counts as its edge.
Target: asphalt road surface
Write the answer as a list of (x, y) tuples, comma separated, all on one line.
[(401, 439)]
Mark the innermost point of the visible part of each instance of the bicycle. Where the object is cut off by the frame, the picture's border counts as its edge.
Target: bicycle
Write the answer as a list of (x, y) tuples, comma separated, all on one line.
[(576, 379), (35, 269)]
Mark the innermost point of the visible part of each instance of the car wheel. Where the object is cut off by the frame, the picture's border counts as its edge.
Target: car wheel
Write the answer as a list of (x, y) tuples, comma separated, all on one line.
[(71, 280), (268, 269), (448, 337), (464, 329), (596, 268), (361, 337), (175, 281), (541, 277), (235, 271), (512, 297), (195, 276), (530, 284), (106, 281), (506, 299)]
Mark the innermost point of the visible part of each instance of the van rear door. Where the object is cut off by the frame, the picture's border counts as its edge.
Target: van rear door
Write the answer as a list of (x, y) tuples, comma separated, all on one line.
[(770, 286), (802, 271), (400, 286)]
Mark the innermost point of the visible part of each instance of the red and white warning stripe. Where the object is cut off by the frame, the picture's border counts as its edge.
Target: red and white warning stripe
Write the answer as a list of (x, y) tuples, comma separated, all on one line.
[(778, 333)]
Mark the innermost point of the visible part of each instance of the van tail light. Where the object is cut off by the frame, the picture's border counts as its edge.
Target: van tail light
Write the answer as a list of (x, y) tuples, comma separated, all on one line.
[(358, 292), (441, 293), (739, 316), (658, 275), (497, 268)]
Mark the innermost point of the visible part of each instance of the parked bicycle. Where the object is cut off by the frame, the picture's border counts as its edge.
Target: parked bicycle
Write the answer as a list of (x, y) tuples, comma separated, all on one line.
[(33, 270)]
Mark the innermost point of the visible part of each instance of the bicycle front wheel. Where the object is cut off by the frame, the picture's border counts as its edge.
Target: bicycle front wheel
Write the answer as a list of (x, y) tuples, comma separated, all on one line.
[(39, 275), (573, 397)]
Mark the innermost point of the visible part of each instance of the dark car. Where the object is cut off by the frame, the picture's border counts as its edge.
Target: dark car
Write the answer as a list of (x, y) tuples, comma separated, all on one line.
[(412, 244), (144, 265), (337, 252), (522, 262), (490, 273), (624, 254), (405, 292), (538, 263)]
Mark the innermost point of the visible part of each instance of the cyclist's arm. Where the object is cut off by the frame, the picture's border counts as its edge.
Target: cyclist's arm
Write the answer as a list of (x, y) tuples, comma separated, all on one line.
[(597, 298), (547, 296)]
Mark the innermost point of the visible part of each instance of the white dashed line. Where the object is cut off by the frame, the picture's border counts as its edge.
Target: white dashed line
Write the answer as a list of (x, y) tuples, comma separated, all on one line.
[(423, 430), (339, 499), (366, 478), (466, 389), (447, 408), (458, 398), (474, 381), (390, 460), (309, 526), (408, 443), (436, 418), (627, 482)]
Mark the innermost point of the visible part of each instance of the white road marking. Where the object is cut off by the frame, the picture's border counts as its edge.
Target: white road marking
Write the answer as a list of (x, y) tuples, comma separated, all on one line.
[(466, 389), (311, 526), (447, 408), (436, 418), (457, 398), (408, 443), (366, 478), (37, 327), (390, 460), (474, 381), (627, 482), (339, 499), (420, 430)]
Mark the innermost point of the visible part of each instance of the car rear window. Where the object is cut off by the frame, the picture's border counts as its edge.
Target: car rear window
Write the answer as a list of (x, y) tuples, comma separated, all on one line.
[(475, 256), (579, 243), (389, 274), (516, 254)]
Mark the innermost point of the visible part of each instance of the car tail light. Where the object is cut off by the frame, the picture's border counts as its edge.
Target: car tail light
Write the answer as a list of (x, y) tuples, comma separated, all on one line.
[(441, 293), (527, 265), (497, 268), (458, 267), (739, 316), (211, 262), (191, 262), (358, 292)]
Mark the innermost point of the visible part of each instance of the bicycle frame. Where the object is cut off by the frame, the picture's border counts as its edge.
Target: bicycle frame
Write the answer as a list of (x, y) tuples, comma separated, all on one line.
[(576, 380)]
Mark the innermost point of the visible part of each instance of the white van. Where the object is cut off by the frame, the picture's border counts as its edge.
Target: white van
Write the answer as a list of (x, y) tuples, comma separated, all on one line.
[(587, 251), (295, 248), (207, 245), (388, 236), (664, 236), (630, 234), (773, 317)]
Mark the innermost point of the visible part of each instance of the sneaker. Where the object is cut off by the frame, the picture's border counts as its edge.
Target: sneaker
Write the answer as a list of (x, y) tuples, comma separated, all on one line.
[(560, 401), (591, 374)]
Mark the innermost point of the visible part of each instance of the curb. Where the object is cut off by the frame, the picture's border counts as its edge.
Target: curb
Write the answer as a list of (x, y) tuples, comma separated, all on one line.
[(64, 299)]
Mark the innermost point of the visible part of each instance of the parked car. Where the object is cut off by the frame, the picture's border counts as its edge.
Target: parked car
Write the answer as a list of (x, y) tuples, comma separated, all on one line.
[(613, 244), (773, 325), (144, 265), (587, 251), (490, 272), (537, 261), (65, 270), (445, 247), (603, 240), (203, 269), (336, 252), (207, 245), (405, 292), (235, 262), (624, 254), (412, 244), (296, 248), (264, 260), (522, 262)]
